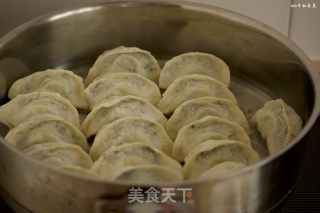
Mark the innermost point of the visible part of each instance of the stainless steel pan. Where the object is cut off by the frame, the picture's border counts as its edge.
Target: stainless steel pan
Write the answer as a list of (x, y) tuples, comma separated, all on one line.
[(264, 65)]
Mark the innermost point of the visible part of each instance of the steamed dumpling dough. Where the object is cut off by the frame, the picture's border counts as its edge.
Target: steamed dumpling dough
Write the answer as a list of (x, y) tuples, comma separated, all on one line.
[(79, 170), (121, 84), (26, 106), (43, 130), (59, 154), (120, 107), (222, 168), (147, 174), (277, 123), (194, 63), (126, 155), (125, 59), (129, 130), (192, 86), (198, 108), (64, 82), (213, 152), (210, 127)]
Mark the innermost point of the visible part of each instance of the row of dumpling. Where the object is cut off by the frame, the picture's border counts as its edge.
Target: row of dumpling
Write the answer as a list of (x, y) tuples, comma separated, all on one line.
[(45, 126), (130, 141), (118, 104), (197, 96), (206, 120), (209, 130), (39, 130), (129, 138), (190, 71), (196, 87), (277, 122)]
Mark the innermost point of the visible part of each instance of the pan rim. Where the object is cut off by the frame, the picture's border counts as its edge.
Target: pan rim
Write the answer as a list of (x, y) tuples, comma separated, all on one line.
[(213, 10)]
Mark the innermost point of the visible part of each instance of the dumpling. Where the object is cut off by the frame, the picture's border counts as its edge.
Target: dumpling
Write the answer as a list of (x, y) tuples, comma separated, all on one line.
[(213, 152), (129, 130), (222, 168), (121, 84), (43, 130), (210, 127), (79, 170), (198, 108), (133, 154), (125, 59), (57, 154), (277, 123), (64, 82), (147, 174), (192, 86), (120, 107), (26, 106), (194, 63)]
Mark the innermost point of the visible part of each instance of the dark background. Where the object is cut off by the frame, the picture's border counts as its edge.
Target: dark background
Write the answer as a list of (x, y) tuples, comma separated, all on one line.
[(306, 196)]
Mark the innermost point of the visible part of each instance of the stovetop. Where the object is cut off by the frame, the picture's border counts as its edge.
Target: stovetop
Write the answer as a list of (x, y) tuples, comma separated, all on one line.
[(306, 195)]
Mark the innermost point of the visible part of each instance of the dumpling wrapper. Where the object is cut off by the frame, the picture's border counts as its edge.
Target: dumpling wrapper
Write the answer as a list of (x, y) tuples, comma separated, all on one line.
[(57, 154), (45, 129), (146, 174), (194, 63), (192, 86), (122, 84), (129, 130), (213, 152), (64, 82), (210, 127), (79, 170), (198, 108), (125, 59), (222, 168), (133, 154), (26, 106), (120, 107), (277, 123)]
